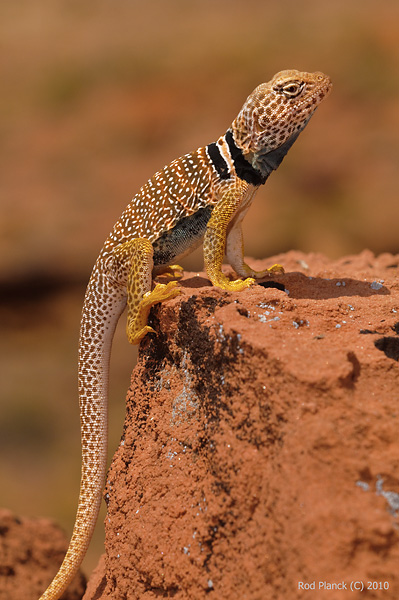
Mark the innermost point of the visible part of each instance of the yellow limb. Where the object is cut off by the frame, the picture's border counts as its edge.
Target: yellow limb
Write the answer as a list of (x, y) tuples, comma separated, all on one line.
[(235, 256), (173, 271), (215, 238), (138, 312), (135, 259)]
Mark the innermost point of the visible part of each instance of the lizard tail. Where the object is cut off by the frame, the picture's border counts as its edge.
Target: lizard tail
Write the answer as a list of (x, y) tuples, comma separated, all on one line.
[(102, 308)]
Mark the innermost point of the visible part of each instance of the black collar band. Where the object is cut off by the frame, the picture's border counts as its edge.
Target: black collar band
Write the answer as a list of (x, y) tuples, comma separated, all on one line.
[(269, 161), (218, 161), (243, 168)]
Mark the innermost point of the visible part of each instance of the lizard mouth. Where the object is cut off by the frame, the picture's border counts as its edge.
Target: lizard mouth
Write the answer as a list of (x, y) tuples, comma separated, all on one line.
[(321, 89)]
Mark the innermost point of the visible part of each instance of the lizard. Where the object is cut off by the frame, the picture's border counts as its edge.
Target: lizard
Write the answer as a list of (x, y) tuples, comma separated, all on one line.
[(201, 197)]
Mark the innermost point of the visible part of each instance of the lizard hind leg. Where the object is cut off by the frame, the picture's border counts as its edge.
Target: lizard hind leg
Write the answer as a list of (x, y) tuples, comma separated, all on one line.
[(140, 298)]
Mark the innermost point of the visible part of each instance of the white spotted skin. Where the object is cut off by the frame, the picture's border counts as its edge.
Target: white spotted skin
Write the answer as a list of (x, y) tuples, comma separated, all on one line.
[(269, 116), (179, 189)]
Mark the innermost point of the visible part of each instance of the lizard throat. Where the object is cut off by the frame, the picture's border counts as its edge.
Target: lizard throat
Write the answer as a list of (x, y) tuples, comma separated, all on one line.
[(270, 161)]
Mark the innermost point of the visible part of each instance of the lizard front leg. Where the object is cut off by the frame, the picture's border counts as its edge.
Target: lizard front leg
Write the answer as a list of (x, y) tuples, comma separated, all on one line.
[(235, 256), (137, 257), (215, 239)]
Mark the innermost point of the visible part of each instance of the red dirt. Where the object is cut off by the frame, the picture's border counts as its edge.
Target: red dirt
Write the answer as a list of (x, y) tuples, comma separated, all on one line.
[(260, 452), (31, 551)]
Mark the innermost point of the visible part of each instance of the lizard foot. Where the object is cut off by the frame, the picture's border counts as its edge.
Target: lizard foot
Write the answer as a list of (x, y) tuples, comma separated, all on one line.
[(237, 285), (173, 271), (277, 269), (137, 327), (160, 293)]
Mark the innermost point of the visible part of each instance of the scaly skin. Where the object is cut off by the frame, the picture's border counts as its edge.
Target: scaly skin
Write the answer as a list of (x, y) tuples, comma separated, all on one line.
[(203, 195)]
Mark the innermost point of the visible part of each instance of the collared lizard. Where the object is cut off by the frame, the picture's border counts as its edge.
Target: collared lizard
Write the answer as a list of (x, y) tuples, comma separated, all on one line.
[(202, 196)]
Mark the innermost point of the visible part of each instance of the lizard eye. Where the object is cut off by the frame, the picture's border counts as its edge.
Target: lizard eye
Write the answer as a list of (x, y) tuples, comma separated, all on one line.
[(292, 89)]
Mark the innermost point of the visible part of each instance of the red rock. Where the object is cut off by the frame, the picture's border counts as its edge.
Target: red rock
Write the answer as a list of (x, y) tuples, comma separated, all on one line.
[(260, 452), (31, 550)]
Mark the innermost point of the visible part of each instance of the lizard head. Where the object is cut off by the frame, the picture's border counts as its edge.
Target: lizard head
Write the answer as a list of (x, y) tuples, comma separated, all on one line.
[(275, 113)]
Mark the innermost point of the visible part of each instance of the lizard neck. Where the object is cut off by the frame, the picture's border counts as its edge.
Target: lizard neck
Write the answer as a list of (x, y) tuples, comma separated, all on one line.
[(244, 169), (255, 167), (228, 160)]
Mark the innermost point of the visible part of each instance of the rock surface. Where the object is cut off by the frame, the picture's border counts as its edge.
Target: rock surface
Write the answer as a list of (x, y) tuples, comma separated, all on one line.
[(260, 453), (31, 550)]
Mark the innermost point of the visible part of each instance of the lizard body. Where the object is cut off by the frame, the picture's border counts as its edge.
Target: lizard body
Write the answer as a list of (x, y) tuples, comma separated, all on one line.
[(200, 196)]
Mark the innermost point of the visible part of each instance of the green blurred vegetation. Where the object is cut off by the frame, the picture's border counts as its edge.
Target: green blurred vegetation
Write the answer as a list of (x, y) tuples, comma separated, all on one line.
[(97, 96)]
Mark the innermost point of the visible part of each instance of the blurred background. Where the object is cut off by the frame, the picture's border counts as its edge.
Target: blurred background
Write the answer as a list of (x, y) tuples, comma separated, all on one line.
[(96, 97)]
